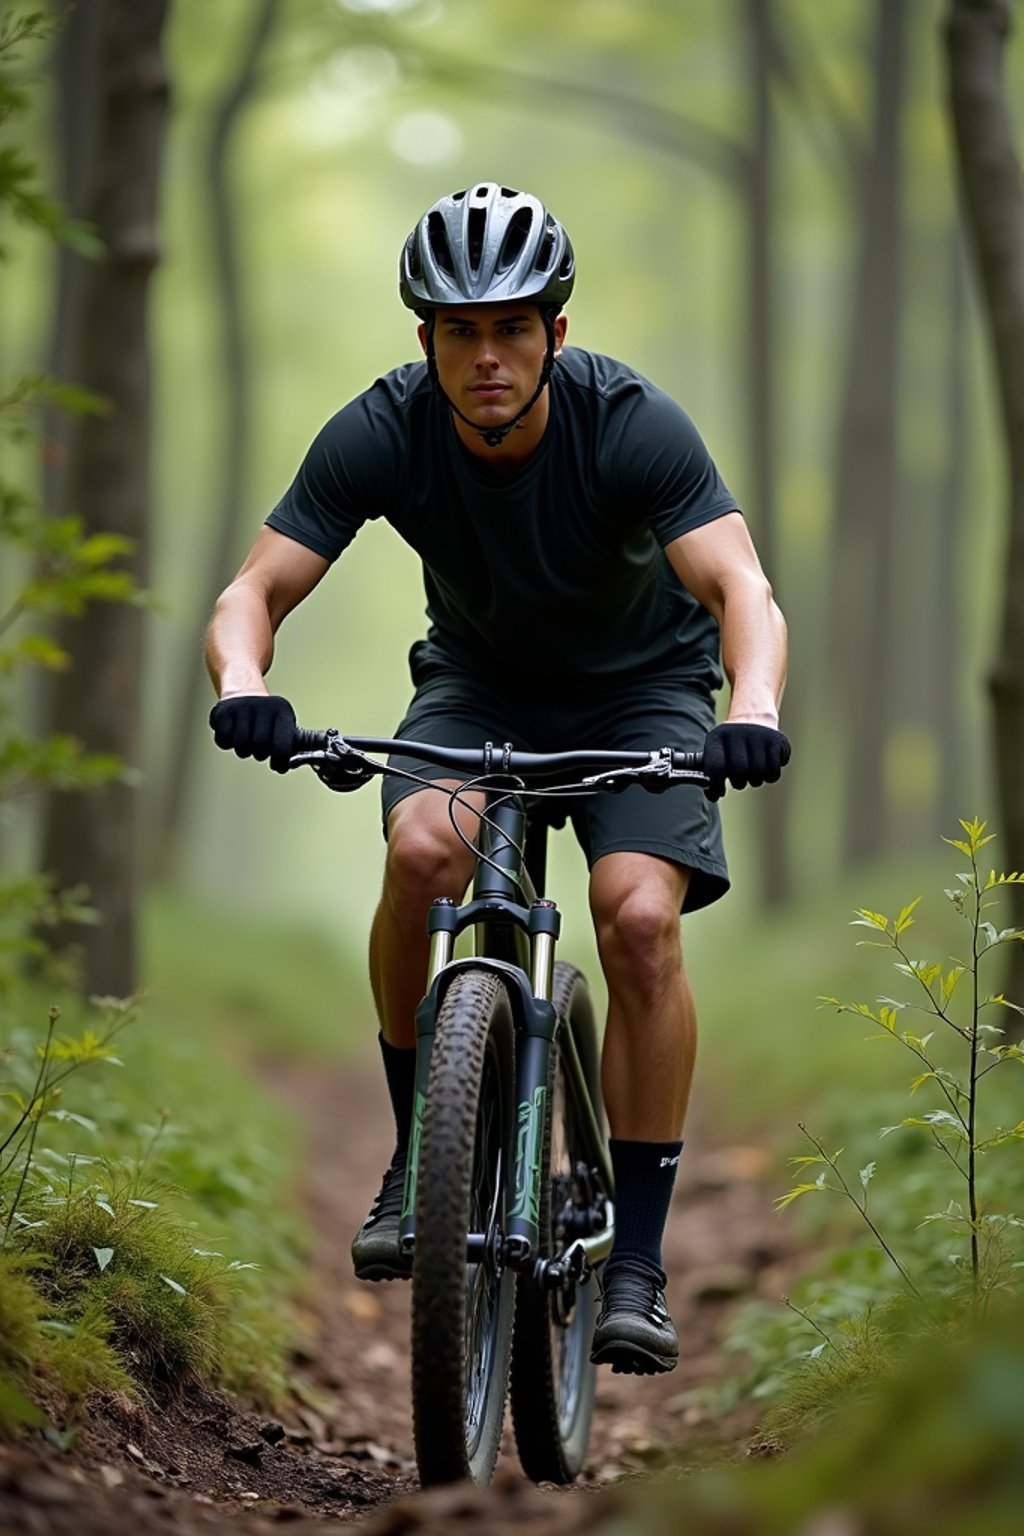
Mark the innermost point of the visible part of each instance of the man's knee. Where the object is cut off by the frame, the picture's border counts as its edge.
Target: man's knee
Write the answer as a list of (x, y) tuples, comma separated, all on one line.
[(635, 906), (425, 857)]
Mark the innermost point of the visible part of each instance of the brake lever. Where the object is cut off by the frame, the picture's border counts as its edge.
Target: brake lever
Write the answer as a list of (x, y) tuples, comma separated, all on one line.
[(658, 767)]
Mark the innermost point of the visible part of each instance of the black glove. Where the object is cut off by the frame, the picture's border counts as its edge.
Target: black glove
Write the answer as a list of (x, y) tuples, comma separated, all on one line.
[(258, 725), (742, 754)]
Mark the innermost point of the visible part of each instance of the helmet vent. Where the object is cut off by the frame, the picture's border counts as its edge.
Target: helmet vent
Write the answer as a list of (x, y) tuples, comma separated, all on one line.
[(545, 253), (439, 247), (519, 228), (475, 228)]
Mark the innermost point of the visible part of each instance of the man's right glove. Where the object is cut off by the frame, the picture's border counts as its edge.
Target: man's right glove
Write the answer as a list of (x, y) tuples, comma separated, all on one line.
[(258, 725), (740, 754)]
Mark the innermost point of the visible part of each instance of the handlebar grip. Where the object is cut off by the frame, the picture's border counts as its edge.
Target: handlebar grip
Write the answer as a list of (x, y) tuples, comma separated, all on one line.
[(691, 761), (310, 741)]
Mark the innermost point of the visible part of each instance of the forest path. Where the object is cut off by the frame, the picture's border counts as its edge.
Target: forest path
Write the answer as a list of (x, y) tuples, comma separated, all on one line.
[(344, 1448)]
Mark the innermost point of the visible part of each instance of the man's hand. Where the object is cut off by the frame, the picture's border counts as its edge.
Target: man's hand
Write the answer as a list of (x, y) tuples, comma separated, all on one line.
[(740, 754), (258, 725)]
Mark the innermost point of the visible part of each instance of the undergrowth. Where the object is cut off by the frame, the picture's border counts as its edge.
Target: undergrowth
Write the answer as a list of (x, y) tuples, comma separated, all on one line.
[(136, 1254), (923, 1233)]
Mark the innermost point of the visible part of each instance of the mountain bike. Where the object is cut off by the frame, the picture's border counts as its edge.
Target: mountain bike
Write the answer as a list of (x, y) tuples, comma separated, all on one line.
[(509, 1195)]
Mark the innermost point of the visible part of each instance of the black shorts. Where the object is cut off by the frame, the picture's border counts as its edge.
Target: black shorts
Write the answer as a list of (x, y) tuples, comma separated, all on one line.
[(456, 709)]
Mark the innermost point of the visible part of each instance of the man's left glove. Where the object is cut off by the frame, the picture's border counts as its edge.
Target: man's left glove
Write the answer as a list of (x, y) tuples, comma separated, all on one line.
[(742, 754), (258, 725)]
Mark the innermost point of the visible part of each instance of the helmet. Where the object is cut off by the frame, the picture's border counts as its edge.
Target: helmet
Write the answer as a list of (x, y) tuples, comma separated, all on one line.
[(486, 245)]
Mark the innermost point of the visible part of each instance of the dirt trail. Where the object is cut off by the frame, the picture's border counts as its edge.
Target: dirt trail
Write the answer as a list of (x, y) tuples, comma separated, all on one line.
[(344, 1449)]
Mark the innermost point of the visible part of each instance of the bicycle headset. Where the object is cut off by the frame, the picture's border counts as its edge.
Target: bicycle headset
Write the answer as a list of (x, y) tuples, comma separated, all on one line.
[(487, 245)]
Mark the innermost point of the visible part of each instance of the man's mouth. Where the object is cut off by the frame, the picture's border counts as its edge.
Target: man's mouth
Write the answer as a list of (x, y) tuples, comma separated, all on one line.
[(488, 391)]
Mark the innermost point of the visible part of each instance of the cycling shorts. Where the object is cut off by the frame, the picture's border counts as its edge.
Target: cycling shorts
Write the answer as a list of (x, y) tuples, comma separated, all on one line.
[(457, 709)]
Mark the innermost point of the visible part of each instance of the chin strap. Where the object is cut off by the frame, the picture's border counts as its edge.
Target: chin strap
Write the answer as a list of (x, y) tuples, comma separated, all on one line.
[(495, 436)]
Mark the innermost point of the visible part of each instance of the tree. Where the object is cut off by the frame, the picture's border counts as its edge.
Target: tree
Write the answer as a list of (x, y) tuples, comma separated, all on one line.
[(234, 454), (866, 454), (992, 199), (94, 841)]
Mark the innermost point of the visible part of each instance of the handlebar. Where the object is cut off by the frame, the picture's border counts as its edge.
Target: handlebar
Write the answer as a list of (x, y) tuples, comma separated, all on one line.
[(589, 768)]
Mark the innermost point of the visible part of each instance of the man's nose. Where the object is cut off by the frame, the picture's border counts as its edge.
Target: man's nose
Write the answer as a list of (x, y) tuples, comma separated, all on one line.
[(486, 353)]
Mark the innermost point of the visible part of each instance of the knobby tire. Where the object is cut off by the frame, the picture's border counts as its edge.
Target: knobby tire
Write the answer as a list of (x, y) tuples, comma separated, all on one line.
[(462, 1314), (552, 1385)]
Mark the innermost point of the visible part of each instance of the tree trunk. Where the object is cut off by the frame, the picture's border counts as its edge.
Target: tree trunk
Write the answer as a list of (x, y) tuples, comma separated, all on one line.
[(947, 667), (992, 194), (866, 491), (93, 839), (75, 70), (188, 726), (773, 807)]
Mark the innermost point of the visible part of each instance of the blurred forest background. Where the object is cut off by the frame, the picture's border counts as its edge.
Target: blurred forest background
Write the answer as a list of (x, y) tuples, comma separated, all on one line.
[(762, 200)]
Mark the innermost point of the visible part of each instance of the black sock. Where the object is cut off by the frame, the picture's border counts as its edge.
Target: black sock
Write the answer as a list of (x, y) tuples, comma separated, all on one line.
[(400, 1070), (645, 1174)]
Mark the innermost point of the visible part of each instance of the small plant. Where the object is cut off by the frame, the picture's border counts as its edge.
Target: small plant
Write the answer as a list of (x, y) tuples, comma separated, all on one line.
[(953, 998), (951, 1171)]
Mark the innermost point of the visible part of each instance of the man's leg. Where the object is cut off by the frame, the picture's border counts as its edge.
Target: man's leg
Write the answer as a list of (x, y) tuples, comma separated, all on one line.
[(647, 1069), (425, 859), (650, 1041)]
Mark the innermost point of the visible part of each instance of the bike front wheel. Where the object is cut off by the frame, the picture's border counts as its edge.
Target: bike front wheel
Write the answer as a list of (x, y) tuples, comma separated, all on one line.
[(462, 1311), (553, 1381)]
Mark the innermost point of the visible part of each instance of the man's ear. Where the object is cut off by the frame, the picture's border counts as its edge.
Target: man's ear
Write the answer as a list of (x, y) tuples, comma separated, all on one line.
[(421, 332), (561, 326)]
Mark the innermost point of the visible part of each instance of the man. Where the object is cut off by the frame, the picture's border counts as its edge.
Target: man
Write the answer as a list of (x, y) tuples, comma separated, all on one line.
[(583, 561)]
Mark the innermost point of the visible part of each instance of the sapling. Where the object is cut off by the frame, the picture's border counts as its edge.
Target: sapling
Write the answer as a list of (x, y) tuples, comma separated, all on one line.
[(957, 1004)]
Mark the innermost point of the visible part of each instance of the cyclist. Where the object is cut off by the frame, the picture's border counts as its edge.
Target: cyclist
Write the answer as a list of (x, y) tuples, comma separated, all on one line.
[(585, 568)]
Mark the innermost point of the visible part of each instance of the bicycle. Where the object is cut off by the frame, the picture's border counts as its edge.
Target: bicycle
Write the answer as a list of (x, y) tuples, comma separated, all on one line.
[(509, 1196)]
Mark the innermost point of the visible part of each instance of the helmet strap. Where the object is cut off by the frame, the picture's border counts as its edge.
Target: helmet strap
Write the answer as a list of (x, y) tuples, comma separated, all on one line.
[(495, 436)]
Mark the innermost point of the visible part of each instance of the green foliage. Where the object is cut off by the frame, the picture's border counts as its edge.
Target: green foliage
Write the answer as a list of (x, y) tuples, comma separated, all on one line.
[(52, 566), (119, 1232), (20, 194), (936, 1448), (941, 1210)]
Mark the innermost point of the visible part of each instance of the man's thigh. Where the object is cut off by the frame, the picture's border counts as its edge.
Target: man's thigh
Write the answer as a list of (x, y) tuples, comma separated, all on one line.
[(458, 710), (677, 824), (450, 710)]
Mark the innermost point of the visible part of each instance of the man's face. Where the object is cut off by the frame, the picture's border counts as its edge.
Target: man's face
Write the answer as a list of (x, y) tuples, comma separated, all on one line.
[(489, 357)]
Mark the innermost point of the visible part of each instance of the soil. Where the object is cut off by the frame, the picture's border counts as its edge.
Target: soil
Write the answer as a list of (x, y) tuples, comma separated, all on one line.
[(343, 1449)]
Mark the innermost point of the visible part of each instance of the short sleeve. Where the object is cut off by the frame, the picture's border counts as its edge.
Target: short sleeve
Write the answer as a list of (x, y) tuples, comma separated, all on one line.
[(351, 473), (665, 469)]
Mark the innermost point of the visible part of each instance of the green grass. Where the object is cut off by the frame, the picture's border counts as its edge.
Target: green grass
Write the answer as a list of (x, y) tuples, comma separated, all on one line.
[(154, 1221)]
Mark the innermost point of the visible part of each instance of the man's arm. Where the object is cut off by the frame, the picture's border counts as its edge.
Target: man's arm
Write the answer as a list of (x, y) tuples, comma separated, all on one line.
[(278, 574), (719, 565)]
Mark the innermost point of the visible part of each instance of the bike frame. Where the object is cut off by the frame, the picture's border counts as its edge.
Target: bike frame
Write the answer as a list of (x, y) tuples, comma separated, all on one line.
[(516, 943)]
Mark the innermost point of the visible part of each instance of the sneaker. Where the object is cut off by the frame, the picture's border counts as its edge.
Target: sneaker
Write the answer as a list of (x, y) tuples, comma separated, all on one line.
[(376, 1254), (634, 1333)]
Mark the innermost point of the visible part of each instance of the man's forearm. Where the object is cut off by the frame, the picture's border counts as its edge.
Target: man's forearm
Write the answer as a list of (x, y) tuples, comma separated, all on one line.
[(239, 642), (753, 651)]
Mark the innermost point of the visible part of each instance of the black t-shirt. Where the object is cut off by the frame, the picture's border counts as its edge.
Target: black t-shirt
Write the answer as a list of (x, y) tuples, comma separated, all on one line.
[(555, 574)]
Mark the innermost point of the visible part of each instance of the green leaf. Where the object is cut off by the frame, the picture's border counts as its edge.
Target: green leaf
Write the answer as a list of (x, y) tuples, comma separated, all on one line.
[(906, 917), (103, 1256), (868, 919), (794, 1194), (951, 980), (16, 1408), (174, 1285), (867, 1173)]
